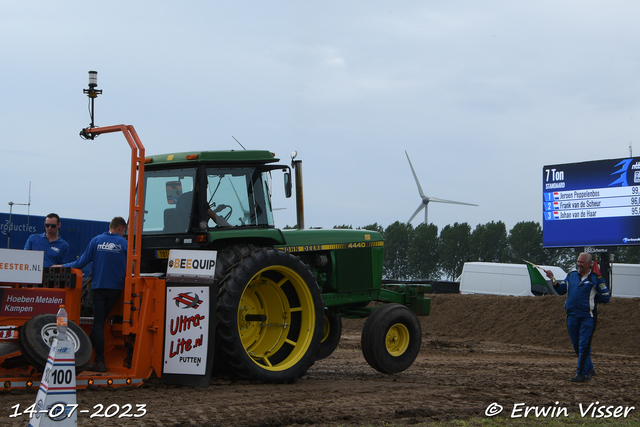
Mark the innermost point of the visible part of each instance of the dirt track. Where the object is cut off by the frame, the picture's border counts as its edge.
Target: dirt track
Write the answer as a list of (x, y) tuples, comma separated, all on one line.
[(476, 350)]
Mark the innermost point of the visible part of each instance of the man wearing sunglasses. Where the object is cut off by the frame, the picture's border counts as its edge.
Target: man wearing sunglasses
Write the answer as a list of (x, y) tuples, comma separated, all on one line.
[(56, 250)]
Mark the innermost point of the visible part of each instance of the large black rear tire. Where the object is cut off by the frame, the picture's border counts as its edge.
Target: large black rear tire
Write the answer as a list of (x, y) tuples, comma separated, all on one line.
[(270, 316), (391, 338), (227, 258), (37, 333)]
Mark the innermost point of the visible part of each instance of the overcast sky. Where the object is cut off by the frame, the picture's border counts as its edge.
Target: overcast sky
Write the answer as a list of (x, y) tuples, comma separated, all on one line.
[(481, 95)]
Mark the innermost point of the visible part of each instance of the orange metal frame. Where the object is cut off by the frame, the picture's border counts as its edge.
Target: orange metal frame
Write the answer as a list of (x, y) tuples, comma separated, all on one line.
[(136, 192)]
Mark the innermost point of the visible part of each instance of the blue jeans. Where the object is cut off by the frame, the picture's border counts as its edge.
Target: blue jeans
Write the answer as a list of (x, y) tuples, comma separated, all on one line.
[(581, 331), (102, 300)]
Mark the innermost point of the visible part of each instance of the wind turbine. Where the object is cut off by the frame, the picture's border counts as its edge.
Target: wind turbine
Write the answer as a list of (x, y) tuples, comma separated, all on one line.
[(424, 204)]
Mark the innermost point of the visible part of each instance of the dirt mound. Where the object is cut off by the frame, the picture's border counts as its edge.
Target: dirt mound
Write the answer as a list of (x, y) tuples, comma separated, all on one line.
[(535, 321), (530, 321)]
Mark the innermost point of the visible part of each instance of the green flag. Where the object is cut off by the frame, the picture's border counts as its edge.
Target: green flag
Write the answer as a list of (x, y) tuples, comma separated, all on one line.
[(538, 279), (536, 276)]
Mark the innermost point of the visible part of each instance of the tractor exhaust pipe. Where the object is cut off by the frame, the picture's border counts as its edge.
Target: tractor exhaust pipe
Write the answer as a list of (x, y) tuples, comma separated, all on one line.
[(297, 168)]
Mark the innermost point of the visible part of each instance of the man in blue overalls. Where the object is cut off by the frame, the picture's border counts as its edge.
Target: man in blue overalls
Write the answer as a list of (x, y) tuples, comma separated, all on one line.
[(584, 290)]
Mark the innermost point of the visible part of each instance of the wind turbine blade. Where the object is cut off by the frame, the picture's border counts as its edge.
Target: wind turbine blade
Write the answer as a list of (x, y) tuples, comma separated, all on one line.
[(422, 206), (415, 177), (433, 199)]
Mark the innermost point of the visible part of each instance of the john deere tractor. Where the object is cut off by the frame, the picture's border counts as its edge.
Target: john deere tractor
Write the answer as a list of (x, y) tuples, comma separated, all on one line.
[(282, 293)]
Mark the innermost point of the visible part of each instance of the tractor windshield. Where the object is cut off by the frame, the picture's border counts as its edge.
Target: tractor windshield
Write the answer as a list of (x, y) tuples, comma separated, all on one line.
[(240, 196)]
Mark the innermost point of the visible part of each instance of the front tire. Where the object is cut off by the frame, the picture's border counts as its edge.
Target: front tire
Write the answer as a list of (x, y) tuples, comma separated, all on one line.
[(37, 333), (270, 316), (391, 338)]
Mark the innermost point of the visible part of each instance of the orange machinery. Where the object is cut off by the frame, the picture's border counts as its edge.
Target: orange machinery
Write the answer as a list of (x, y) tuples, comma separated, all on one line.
[(133, 332)]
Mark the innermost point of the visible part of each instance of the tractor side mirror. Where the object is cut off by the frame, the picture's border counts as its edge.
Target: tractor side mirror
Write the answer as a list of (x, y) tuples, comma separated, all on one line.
[(287, 184)]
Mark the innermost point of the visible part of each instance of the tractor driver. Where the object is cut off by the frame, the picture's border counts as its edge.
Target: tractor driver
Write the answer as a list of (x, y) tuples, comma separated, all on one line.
[(184, 206)]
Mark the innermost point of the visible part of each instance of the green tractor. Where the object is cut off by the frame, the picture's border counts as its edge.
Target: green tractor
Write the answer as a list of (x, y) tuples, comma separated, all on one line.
[(280, 294)]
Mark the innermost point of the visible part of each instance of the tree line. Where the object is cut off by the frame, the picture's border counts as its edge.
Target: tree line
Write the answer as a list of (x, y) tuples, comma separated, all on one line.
[(421, 253)]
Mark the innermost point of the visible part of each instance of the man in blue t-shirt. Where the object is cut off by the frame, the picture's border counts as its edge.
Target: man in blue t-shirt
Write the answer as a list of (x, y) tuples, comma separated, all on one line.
[(108, 252), (56, 250), (584, 289)]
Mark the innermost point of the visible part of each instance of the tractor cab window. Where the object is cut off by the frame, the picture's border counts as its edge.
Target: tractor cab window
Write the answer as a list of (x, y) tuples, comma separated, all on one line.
[(168, 200), (240, 196)]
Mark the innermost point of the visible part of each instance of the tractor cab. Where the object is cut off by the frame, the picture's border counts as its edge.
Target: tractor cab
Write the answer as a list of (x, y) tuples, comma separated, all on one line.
[(200, 200)]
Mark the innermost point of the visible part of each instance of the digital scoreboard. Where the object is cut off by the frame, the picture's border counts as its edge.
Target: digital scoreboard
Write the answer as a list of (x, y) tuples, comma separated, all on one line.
[(591, 203)]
